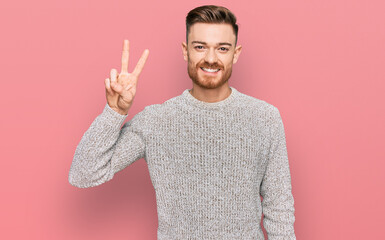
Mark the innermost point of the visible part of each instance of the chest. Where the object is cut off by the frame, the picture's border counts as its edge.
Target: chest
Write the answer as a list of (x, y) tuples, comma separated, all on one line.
[(209, 147)]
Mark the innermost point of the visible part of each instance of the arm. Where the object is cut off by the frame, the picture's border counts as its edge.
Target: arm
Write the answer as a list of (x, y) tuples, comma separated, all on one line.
[(105, 149), (278, 201)]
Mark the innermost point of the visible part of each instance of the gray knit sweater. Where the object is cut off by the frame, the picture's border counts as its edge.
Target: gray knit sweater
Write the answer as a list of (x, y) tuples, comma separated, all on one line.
[(209, 164)]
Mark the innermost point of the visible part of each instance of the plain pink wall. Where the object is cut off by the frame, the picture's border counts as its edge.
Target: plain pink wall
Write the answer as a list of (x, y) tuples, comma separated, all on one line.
[(320, 62)]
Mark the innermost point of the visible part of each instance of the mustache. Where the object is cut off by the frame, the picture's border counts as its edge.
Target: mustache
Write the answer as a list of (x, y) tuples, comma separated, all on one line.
[(212, 66)]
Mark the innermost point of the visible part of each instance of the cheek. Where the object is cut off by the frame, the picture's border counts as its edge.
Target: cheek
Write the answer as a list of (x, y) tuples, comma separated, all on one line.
[(228, 62), (195, 57), (193, 63)]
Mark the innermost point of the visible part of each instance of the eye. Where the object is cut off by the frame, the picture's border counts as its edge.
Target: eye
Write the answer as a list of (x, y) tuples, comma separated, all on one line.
[(198, 47), (224, 49)]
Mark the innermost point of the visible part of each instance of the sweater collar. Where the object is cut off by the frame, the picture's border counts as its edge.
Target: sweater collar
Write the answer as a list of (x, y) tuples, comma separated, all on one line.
[(190, 99)]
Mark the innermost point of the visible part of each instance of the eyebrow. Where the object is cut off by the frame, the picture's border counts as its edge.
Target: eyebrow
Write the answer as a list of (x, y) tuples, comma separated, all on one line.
[(220, 43)]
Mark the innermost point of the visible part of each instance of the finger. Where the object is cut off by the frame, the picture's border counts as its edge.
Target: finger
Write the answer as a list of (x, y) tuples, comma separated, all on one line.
[(125, 56), (139, 66), (113, 74), (117, 87), (108, 85), (129, 86)]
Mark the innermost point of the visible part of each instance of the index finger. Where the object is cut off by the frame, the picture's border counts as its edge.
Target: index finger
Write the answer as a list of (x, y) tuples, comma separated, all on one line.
[(125, 56)]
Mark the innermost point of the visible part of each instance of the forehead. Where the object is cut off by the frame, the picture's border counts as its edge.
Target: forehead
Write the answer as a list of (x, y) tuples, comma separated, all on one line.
[(212, 33)]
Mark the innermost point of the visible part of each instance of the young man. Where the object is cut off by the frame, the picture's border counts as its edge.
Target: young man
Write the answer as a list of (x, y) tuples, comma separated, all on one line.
[(211, 151)]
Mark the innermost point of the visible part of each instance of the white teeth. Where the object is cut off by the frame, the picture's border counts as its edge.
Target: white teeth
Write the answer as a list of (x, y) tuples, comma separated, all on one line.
[(210, 70)]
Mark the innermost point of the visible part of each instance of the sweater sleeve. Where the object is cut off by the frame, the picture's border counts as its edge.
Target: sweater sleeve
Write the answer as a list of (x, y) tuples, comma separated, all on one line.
[(278, 201), (106, 148)]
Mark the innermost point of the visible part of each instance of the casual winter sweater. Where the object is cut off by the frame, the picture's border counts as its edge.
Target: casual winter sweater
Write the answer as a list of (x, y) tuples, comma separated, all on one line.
[(209, 163)]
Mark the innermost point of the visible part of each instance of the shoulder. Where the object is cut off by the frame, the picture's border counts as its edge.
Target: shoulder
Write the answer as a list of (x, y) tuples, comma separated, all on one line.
[(266, 113), (154, 114), (166, 107), (257, 105)]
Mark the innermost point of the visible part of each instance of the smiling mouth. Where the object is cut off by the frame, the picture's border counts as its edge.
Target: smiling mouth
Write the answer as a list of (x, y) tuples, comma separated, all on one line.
[(210, 70)]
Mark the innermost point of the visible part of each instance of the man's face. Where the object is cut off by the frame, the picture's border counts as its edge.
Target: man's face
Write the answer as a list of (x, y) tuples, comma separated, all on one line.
[(210, 53)]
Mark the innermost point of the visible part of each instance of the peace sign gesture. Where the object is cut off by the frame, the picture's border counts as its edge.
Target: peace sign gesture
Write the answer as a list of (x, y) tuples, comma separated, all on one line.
[(121, 88)]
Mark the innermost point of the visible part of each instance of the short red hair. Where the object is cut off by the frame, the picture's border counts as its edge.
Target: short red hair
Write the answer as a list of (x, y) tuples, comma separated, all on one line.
[(211, 14)]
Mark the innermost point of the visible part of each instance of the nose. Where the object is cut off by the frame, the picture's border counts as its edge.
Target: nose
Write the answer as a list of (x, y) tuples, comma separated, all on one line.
[(211, 56)]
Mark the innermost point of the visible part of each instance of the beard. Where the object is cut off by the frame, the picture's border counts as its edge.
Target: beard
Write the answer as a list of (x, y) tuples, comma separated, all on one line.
[(207, 81)]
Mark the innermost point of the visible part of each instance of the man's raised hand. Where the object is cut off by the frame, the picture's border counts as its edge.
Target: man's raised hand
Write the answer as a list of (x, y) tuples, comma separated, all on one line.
[(121, 88)]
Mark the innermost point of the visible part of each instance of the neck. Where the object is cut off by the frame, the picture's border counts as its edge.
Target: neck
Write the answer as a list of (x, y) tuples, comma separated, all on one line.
[(211, 95)]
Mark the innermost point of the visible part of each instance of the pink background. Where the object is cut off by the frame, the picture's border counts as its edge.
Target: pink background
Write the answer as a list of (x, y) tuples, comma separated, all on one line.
[(320, 62)]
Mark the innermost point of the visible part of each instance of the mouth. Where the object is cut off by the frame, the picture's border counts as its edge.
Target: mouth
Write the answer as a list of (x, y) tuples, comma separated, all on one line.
[(210, 70)]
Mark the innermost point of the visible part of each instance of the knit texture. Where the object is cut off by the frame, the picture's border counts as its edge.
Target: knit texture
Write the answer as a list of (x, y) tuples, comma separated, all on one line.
[(209, 164)]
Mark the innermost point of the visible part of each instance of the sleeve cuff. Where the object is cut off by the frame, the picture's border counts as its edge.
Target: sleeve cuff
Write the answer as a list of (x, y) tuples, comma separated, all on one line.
[(113, 117)]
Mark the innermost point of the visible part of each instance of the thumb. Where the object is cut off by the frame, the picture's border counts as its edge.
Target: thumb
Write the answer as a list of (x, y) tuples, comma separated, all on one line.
[(117, 87)]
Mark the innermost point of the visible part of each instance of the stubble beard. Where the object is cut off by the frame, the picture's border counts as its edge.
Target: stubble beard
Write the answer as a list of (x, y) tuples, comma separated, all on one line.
[(208, 82)]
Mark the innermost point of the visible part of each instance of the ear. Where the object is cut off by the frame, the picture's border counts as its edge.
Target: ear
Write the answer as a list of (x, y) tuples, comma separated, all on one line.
[(237, 51), (184, 50)]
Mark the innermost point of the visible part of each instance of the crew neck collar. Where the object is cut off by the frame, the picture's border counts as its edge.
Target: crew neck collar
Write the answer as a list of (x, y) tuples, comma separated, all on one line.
[(190, 99)]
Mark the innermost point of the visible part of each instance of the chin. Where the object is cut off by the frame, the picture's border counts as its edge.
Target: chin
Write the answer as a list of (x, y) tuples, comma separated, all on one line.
[(209, 84)]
